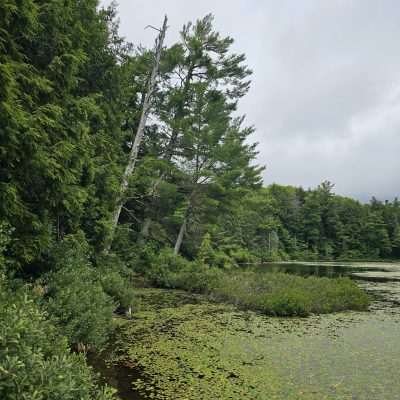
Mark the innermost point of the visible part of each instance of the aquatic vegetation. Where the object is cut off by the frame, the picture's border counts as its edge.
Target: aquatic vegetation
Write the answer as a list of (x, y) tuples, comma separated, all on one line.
[(276, 294), (190, 352), (189, 348), (288, 295)]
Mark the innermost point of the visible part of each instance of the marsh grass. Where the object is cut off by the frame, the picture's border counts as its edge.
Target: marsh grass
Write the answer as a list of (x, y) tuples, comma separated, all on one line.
[(282, 294), (276, 294)]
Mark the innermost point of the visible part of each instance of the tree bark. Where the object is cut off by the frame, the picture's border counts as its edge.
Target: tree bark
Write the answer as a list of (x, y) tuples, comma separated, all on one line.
[(139, 134), (183, 228), (181, 234)]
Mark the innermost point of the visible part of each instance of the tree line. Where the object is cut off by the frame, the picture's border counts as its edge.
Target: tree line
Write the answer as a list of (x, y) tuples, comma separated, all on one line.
[(72, 96), (285, 222)]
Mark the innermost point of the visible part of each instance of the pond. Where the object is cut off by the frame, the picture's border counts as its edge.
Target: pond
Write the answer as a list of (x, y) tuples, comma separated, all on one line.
[(360, 270), (186, 347)]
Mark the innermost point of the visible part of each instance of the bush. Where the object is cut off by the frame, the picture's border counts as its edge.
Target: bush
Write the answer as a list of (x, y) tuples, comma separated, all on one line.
[(223, 260), (276, 255), (117, 281), (196, 277), (75, 296), (35, 361), (162, 267), (83, 298), (77, 300), (115, 286), (242, 256), (172, 271)]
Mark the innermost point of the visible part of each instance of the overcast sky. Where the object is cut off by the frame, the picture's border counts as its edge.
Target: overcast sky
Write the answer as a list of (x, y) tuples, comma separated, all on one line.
[(325, 94)]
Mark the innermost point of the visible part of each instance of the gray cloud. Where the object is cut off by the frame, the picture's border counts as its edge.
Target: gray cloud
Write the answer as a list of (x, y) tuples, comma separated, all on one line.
[(325, 97)]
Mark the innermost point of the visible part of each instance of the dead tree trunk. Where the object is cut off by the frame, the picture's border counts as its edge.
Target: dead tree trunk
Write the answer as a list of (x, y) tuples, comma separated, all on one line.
[(139, 134), (145, 231), (183, 228), (180, 237)]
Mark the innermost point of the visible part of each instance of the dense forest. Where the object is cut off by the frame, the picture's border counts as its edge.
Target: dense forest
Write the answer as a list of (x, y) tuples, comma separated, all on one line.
[(316, 224), (71, 99)]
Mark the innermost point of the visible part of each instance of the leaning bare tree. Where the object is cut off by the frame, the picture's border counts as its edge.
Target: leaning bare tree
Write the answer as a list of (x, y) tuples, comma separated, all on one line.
[(139, 133)]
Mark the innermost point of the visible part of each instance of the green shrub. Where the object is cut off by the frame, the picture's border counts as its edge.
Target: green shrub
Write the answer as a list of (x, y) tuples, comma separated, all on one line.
[(162, 267), (35, 361), (195, 277), (175, 272), (243, 256), (83, 298), (117, 281), (77, 300), (144, 258), (277, 255), (119, 289), (223, 260)]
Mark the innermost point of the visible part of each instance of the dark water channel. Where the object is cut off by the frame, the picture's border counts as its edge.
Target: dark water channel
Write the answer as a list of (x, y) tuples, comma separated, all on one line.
[(118, 376)]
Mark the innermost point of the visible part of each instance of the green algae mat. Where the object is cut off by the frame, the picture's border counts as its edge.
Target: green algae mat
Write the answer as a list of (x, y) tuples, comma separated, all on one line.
[(189, 348)]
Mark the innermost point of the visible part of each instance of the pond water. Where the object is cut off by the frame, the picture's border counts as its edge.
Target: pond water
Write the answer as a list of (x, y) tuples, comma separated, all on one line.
[(189, 348), (360, 270)]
